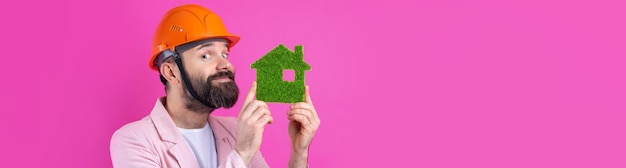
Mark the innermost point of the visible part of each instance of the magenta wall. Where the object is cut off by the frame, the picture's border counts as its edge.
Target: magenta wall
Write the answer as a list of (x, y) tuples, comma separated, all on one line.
[(436, 83)]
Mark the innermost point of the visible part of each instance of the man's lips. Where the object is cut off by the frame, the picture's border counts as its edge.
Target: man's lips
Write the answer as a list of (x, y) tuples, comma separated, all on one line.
[(222, 79)]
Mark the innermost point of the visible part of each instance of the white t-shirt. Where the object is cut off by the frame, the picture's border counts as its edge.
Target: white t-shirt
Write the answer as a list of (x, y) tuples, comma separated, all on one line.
[(202, 143)]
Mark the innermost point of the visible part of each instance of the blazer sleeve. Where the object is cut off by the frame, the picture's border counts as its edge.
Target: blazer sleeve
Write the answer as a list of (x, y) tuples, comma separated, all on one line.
[(235, 161), (258, 161), (129, 150)]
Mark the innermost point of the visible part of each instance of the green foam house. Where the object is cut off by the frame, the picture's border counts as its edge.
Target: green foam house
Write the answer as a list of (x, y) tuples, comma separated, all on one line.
[(270, 73)]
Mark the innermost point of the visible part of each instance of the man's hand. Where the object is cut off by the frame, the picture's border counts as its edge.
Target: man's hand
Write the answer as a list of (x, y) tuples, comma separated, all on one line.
[(303, 123), (253, 117)]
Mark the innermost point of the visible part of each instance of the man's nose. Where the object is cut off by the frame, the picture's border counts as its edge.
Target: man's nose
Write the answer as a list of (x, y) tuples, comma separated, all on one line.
[(223, 64)]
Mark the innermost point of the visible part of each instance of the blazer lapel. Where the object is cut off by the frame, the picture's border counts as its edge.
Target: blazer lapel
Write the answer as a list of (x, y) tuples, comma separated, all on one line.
[(224, 140), (181, 153), (169, 132)]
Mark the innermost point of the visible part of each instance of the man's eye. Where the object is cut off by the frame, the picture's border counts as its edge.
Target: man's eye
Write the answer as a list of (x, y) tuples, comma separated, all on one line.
[(225, 56), (206, 56)]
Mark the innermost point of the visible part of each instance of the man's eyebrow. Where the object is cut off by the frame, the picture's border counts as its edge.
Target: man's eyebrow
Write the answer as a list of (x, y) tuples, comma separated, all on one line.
[(205, 45), (208, 45)]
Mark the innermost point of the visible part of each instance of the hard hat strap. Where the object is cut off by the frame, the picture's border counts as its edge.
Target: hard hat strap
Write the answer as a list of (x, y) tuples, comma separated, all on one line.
[(163, 56), (187, 83)]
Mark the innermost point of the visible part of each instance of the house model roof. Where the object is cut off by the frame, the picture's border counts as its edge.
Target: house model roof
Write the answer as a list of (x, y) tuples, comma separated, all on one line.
[(283, 58), (271, 85)]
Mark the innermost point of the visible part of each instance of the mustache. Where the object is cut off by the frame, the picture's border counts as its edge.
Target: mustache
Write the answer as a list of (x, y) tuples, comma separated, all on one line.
[(222, 74)]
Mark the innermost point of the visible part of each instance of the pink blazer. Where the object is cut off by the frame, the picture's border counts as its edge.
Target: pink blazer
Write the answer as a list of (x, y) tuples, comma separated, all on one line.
[(155, 141)]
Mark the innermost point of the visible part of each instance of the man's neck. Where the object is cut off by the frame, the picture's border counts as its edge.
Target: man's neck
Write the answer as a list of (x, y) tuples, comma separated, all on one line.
[(184, 118)]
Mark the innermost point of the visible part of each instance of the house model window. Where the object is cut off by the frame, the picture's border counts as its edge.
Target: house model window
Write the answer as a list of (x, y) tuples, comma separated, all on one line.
[(280, 75), (288, 75)]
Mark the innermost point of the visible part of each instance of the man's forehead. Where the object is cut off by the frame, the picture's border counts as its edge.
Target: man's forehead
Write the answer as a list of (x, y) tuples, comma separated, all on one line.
[(212, 42)]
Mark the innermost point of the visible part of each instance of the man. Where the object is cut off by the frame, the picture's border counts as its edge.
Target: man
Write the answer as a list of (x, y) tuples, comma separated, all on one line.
[(190, 51)]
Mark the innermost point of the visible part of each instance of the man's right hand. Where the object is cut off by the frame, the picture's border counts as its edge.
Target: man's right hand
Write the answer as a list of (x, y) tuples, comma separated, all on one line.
[(253, 117)]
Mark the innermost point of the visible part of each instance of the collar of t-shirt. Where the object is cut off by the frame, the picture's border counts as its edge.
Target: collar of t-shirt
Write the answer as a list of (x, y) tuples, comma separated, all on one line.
[(202, 143)]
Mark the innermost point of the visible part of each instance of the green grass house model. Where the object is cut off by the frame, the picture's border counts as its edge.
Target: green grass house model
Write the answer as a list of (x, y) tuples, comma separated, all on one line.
[(270, 71)]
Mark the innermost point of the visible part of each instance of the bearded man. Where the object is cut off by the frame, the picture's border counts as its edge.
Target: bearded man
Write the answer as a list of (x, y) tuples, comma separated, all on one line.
[(190, 52)]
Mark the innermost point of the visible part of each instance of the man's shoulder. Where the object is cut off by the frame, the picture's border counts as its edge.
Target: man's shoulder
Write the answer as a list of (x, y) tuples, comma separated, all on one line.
[(144, 127)]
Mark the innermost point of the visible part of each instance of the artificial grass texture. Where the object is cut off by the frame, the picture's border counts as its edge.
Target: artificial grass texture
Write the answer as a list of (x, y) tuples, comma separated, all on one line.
[(269, 75)]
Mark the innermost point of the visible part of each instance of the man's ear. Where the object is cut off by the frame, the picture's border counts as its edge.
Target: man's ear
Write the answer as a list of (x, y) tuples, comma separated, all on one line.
[(170, 72)]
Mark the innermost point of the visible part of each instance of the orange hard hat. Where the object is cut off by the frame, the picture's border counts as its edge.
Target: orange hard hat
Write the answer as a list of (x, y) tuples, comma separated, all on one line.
[(184, 24)]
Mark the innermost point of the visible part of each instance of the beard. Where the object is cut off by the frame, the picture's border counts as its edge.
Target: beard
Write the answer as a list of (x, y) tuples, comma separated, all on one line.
[(220, 95)]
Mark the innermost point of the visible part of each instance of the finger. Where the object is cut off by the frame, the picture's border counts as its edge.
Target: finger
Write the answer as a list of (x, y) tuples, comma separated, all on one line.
[(302, 105), (251, 108), (302, 119), (310, 114), (269, 120), (307, 106), (259, 113), (307, 95), (264, 120), (310, 101), (251, 94), (304, 112)]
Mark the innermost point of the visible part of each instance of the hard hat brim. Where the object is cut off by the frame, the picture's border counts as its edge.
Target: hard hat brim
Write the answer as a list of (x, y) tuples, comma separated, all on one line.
[(231, 39)]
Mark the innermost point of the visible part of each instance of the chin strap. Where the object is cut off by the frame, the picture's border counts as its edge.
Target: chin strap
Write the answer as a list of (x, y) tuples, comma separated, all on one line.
[(187, 83)]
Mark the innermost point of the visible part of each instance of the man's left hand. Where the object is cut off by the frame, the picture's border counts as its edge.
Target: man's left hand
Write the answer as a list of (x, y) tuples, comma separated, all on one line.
[(303, 123)]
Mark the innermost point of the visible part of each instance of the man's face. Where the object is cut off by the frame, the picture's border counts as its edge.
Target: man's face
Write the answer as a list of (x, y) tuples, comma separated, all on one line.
[(211, 75)]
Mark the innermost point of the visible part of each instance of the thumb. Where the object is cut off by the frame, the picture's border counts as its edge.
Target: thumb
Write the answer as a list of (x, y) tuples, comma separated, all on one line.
[(307, 95)]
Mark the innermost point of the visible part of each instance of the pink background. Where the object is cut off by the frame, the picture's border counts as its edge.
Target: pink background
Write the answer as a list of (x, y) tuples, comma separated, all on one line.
[(432, 83)]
